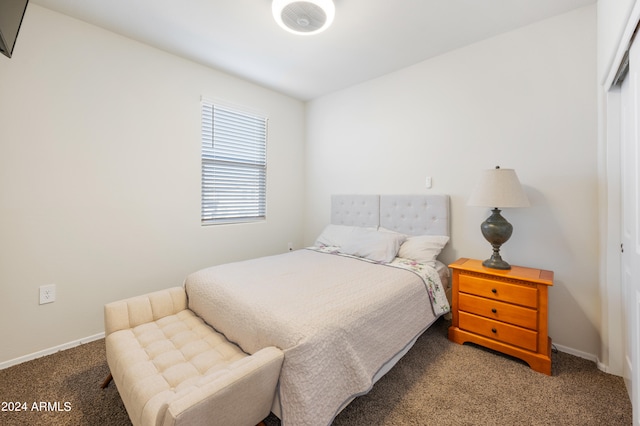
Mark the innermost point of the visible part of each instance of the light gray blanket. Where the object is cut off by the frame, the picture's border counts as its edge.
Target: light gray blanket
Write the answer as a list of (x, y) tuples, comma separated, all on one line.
[(338, 320)]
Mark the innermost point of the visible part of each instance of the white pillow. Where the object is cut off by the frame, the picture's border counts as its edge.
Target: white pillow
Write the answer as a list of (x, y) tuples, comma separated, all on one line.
[(423, 248), (373, 245), (334, 235)]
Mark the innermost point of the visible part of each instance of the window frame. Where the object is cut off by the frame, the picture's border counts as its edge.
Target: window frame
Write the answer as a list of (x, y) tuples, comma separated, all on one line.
[(233, 164)]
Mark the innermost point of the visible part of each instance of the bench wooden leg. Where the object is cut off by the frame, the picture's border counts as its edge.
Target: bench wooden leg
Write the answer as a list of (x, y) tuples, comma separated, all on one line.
[(106, 381)]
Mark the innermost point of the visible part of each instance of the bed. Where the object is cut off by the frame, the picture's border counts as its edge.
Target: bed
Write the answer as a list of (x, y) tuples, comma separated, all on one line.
[(345, 310)]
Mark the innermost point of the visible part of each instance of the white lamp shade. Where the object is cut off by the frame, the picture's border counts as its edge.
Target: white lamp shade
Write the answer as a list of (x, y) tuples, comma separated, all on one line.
[(499, 188), (303, 17)]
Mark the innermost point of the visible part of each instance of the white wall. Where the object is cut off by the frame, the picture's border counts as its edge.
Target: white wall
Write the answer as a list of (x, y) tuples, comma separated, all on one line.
[(99, 165), (523, 100), (100, 177)]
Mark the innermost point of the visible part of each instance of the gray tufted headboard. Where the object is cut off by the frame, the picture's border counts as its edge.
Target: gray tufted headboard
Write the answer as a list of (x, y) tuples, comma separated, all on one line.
[(408, 214)]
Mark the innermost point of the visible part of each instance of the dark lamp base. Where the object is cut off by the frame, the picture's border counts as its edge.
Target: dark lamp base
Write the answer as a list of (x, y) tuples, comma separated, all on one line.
[(497, 231), (496, 263)]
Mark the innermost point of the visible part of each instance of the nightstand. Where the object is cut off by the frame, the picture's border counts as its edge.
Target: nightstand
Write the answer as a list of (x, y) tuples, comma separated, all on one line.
[(505, 310)]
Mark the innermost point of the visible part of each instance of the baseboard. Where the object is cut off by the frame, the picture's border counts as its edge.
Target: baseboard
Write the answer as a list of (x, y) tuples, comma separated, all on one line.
[(603, 367), (98, 336), (599, 364), (49, 351), (580, 354)]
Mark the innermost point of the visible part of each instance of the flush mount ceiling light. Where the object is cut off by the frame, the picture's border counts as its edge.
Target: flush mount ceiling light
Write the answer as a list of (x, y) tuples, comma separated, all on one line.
[(304, 17)]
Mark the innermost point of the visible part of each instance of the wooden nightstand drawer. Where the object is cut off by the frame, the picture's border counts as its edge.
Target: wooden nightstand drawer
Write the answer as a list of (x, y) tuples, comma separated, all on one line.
[(524, 295), (517, 315), (500, 331)]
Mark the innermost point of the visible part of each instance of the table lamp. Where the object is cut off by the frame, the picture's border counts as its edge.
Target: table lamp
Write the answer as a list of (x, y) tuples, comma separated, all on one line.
[(498, 188)]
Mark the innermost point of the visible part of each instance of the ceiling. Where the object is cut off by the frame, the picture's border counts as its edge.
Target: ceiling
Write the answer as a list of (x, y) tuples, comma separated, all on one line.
[(369, 38)]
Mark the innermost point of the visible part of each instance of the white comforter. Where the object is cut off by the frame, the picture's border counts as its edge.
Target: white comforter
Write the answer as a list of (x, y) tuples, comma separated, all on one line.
[(337, 319)]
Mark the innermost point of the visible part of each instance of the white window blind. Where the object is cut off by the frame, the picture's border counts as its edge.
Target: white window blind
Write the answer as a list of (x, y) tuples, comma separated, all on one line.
[(234, 165)]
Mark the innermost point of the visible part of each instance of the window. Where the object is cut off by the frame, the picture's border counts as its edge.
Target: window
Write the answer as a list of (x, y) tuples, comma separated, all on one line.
[(234, 165)]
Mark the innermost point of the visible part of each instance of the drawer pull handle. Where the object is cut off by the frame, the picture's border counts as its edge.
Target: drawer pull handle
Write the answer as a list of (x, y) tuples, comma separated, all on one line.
[(494, 291), (493, 330), (494, 310)]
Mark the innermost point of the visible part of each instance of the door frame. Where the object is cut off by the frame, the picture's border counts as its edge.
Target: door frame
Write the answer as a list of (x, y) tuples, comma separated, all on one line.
[(612, 357)]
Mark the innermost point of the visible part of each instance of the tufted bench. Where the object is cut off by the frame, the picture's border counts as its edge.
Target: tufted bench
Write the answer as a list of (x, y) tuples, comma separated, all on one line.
[(171, 368)]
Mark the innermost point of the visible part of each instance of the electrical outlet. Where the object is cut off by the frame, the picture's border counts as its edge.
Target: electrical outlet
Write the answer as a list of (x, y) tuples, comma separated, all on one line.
[(428, 182), (290, 246), (47, 293)]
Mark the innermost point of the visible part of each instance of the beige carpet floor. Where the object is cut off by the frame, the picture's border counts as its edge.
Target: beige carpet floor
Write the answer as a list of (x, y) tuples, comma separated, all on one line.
[(436, 383)]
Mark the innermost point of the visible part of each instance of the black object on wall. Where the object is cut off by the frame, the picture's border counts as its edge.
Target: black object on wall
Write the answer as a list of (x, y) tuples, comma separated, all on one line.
[(11, 14)]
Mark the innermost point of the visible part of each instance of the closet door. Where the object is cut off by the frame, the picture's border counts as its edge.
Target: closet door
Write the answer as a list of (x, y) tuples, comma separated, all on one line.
[(630, 161)]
